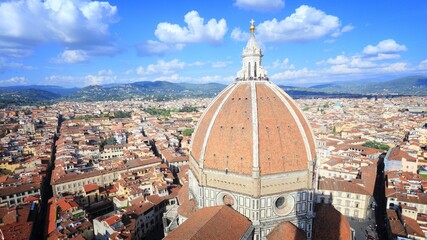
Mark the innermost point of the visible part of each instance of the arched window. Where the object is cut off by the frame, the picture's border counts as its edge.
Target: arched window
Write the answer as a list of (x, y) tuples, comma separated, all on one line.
[(249, 70), (255, 68)]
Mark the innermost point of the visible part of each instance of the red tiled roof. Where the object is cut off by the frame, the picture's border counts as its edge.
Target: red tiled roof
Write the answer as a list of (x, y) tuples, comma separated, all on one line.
[(186, 207), (155, 199), (398, 154), (220, 222), (140, 208), (63, 204), (112, 220), (52, 216), (31, 199), (18, 231), (413, 228), (337, 228), (90, 187), (396, 226), (7, 191), (286, 231), (341, 185), (3, 178)]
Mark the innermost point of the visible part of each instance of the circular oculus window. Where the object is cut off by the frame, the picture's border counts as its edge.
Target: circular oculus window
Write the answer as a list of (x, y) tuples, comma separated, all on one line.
[(228, 200), (283, 205), (280, 202)]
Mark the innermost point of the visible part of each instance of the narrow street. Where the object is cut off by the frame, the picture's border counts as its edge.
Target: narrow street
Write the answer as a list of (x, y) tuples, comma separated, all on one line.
[(379, 195), (46, 192)]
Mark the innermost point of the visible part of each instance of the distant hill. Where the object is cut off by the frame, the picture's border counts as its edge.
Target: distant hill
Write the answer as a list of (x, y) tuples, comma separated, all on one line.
[(158, 90), (327, 86), (49, 88), (413, 85), (164, 90), (26, 97), (286, 87)]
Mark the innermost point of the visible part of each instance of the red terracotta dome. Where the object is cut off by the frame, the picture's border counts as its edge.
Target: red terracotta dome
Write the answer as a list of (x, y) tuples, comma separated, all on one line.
[(253, 150), (253, 126)]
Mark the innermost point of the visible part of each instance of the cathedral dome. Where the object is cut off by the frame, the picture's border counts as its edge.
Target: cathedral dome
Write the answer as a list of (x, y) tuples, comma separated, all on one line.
[(252, 138), (253, 128), (253, 149)]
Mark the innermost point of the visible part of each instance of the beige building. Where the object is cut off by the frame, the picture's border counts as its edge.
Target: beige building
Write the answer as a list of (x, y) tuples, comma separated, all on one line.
[(397, 159), (73, 182), (351, 199), (15, 195)]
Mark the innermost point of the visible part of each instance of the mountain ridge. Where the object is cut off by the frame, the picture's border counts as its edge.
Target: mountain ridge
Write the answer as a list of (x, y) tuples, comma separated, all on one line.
[(165, 90), (410, 85)]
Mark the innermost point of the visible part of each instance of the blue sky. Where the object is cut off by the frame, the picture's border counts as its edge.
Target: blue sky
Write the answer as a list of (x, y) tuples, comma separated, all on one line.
[(80, 43)]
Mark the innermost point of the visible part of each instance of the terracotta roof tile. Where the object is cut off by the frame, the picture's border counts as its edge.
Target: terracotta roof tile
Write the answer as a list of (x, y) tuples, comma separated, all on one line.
[(396, 226), (112, 220), (90, 187), (413, 228), (286, 231), (338, 226), (187, 207), (220, 222), (341, 185)]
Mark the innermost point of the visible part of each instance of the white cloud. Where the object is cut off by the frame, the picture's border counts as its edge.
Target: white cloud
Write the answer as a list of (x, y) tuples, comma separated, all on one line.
[(423, 65), (196, 31), (164, 67), (105, 72), (139, 70), (347, 28), (161, 67), (171, 78), (203, 79), (305, 24), (260, 5), (63, 80), (238, 35), (197, 63), (13, 81), (72, 56), (220, 64), (340, 59), (394, 67), (388, 46), (215, 79), (349, 67), (282, 64), (292, 74), (6, 65), (358, 62), (372, 60), (25, 24), (99, 79), (355, 61), (151, 47), (172, 37), (384, 56), (342, 68), (103, 76)]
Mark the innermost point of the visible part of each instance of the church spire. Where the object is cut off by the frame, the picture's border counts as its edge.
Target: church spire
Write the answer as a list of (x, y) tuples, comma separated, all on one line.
[(251, 60)]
